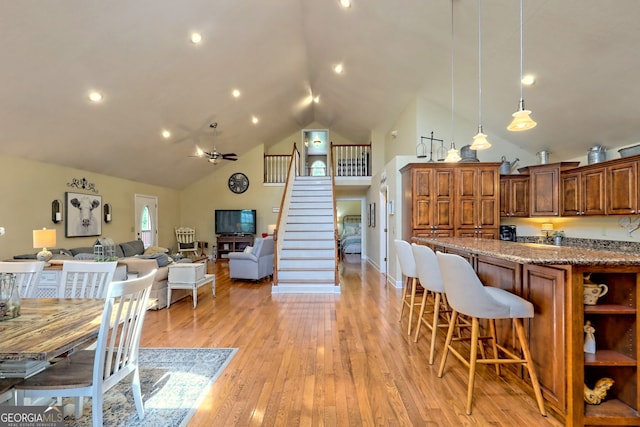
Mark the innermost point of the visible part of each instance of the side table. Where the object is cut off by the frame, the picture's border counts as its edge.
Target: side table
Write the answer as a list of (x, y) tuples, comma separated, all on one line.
[(189, 276)]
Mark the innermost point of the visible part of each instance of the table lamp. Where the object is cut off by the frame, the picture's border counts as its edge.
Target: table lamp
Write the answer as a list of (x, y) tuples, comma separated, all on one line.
[(546, 227), (42, 239)]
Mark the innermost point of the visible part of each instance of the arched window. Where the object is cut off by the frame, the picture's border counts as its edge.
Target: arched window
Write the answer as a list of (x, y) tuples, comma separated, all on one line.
[(318, 168)]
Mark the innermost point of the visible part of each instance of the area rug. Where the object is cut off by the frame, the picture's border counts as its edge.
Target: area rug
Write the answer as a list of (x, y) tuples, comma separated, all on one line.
[(174, 382)]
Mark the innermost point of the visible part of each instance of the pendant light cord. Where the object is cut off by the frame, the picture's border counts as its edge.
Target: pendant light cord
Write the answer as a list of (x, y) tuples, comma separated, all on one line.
[(452, 80), (521, 67), (480, 65)]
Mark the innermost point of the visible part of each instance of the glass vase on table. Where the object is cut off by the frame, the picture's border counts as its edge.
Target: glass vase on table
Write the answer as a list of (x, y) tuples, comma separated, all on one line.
[(9, 297)]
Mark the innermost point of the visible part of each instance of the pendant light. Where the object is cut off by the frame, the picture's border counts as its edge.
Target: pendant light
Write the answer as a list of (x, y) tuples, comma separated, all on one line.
[(480, 140), (453, 155), (521, 120)]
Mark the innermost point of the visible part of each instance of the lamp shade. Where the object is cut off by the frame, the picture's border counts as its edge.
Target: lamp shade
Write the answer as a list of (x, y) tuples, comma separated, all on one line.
[(521, 121), (44, 238), (546, 226), (480, 141)]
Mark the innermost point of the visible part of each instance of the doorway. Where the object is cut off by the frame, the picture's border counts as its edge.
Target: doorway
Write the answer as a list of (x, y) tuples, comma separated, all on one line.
[(146, 220), (350, 214)]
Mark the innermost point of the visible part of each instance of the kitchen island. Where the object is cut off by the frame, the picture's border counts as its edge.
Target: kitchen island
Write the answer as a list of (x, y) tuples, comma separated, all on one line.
[(552, 278)]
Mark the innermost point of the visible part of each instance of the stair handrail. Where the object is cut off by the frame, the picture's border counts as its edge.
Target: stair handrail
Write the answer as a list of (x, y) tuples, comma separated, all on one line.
[(336, 237), (292, 172)]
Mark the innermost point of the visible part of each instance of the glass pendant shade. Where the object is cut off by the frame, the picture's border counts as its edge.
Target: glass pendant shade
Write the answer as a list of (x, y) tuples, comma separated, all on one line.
[(521, 120), (441, 154), (480, 141), (453, 155)]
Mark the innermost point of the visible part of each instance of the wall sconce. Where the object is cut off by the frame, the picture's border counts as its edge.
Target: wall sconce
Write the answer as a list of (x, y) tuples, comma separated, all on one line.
[(107, 213), (56, 211)]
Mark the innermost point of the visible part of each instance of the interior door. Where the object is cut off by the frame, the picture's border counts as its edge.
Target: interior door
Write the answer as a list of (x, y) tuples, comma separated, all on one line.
[(146, 219)]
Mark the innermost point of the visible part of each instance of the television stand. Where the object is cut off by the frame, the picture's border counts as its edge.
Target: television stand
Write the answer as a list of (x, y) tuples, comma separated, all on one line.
[(226, 243)]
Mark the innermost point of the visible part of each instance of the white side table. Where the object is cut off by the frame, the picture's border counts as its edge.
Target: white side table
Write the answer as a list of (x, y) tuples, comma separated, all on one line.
[(193, 285)]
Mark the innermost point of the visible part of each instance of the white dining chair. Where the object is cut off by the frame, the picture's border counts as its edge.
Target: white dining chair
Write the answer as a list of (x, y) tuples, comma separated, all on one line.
[(467, 295), (85, 279), (27, 275), (93, 372)]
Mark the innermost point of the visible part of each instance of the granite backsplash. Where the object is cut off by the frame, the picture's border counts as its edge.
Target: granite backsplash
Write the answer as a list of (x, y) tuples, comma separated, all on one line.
[(596, 244)]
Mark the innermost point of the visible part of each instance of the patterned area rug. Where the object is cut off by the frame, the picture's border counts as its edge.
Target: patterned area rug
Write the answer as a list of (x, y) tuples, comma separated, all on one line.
[(174, 381)]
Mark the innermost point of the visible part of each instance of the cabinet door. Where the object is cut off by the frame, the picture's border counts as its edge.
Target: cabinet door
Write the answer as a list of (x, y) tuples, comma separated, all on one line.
[(514, 196), (622, 188), (544, 287), (593, 192), (477, 197), (571, 203), (544, 193), (421, 185), (442, 199)]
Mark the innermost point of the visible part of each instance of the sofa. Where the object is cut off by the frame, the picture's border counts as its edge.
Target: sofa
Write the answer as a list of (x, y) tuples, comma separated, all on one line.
[(255, 263), (138, 261)]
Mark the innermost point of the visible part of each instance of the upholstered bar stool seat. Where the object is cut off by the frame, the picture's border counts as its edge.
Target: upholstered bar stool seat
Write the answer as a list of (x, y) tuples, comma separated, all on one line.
[(434, 311), (408, 267), (467, 295)]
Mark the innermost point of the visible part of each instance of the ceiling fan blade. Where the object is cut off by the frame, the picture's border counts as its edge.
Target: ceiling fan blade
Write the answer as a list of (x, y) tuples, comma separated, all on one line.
[(229, 158)]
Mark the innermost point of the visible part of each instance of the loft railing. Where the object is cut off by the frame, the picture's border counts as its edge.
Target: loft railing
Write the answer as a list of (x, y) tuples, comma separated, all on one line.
[(351, 159), (346, 160)]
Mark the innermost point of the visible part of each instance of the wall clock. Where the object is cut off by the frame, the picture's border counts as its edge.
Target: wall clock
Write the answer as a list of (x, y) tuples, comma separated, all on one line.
[(238, 183)]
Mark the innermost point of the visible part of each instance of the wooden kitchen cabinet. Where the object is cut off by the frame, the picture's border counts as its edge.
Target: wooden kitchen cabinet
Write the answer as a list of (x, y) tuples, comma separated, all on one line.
[(514, 195), (622, 188), (477, 201), (583, 191), (544, 188), (432, 207)]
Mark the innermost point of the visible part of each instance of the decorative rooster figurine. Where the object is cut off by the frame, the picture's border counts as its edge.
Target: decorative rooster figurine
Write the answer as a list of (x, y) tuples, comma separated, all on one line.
[(597, 395)]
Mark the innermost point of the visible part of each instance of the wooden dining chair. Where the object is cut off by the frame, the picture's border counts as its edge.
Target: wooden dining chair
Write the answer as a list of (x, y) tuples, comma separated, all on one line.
[(85, 279), (93, 372), (27, 275)]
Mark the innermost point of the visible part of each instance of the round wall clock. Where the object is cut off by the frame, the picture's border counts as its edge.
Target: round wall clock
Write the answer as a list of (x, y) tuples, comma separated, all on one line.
[(238, 183)]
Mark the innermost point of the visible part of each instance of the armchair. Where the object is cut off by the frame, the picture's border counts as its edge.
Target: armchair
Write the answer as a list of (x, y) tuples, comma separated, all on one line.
[(254, 265)]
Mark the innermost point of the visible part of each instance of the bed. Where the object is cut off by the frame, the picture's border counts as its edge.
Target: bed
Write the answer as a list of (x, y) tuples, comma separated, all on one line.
[(351, 235)]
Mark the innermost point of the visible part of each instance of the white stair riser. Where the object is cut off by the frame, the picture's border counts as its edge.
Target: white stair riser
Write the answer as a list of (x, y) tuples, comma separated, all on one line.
[(308, 244), (310, 205), (293, 253), (313, 275), (309, 219), (310, 235), (309, 227), (311, 212), (306, 264), (310, 193)]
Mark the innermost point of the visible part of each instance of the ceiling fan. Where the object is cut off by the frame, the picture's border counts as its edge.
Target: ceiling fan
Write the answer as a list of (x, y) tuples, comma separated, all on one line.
[(215, 155)]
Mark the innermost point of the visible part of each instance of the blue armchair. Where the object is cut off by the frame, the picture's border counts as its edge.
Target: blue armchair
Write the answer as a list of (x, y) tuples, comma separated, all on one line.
[(253, 265)]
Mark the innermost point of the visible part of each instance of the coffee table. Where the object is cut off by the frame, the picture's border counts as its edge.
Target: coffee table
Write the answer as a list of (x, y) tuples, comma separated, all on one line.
[(193, 285)]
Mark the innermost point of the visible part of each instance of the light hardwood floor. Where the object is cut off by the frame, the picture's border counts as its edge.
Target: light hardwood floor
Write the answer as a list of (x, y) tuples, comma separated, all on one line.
[(342, 360)]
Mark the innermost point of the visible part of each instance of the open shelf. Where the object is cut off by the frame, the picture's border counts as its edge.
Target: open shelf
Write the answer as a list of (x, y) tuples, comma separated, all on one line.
[(609, 309), (611, 412), (608, 358)]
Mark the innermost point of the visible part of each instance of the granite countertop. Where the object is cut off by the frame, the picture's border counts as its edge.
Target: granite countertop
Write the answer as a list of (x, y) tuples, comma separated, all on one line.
[(533, 253)]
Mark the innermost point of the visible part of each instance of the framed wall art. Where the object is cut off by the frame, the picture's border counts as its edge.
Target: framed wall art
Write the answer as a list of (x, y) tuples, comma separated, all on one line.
[(83, 215), (372, 214)]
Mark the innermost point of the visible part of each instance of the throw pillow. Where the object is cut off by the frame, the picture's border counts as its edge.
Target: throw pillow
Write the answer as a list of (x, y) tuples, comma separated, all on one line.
[(82, 256), (134, 247), (248, 249), (161, 259), (83, 250), (155, 250)]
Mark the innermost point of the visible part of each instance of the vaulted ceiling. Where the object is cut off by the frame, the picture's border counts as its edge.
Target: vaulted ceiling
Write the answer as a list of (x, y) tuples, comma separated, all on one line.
[(280, 53)]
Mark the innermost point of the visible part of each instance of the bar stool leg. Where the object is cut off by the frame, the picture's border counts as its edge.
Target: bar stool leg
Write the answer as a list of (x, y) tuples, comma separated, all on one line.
[(472, 361), (447, 343), (414, 283), (530, 367), (404, 297)]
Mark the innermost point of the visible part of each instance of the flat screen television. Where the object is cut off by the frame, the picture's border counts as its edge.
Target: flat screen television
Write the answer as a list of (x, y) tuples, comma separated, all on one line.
[(235, 221)]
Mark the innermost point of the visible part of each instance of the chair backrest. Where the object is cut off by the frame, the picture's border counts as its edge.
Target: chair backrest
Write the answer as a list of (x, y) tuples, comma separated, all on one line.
[(465, 292), (185, 235), (27, 275), (263, 246), (405, 257), (85, 279), (427, 268), (119, 335)]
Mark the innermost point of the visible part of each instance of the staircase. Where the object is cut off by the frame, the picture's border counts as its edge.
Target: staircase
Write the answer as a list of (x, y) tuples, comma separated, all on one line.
[(307, 262)]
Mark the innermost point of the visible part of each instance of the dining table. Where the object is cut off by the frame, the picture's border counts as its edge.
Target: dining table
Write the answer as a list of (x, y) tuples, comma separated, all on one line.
[(46, 329)]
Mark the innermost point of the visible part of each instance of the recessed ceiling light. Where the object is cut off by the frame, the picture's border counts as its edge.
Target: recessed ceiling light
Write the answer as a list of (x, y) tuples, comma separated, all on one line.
[(196, 38), (95, 96), (528, 79), (338, 68), (254, 120), (316, 99), (166, 134), (235, 93), (345, 3)]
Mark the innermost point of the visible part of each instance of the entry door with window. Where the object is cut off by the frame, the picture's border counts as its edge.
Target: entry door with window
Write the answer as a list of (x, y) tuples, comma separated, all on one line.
[(147, 219), (316, 149)]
